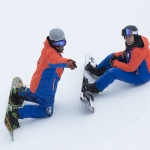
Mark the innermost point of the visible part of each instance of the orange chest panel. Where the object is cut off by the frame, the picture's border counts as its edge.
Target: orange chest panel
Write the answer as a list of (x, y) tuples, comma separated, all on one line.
[(59, 71)]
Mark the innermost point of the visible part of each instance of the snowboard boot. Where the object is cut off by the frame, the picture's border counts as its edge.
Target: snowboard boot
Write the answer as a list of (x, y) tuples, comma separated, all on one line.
[(90, 88), (13, 117), (15, 98), (94, 70)]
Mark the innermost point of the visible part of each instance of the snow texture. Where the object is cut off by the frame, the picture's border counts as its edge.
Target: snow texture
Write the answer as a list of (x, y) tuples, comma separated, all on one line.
[(122, 112)]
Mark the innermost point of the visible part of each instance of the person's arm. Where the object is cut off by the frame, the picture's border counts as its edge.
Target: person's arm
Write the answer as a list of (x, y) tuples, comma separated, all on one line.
[(115, 56), (137, 56), (56, 61)]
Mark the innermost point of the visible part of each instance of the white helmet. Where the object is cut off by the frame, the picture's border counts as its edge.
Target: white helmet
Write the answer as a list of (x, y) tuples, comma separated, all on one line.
[(56, 34)]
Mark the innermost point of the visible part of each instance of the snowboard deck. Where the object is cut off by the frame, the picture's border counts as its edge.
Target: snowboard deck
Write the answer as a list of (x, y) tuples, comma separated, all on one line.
[(87, 98), (16, 82)]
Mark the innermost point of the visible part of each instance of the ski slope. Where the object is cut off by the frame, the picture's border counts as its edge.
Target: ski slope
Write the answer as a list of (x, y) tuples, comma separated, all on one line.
[(122, 111)]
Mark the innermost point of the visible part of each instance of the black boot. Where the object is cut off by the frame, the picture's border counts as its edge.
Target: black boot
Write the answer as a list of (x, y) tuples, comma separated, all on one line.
[(16, 99), (94, 70), (90, 88), (13, 117)]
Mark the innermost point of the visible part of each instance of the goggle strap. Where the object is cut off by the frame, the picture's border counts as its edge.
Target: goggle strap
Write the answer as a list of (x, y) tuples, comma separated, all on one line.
[(134, 32)]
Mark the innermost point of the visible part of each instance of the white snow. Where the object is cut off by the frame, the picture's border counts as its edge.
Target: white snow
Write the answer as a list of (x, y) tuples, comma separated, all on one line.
[(122, 111)]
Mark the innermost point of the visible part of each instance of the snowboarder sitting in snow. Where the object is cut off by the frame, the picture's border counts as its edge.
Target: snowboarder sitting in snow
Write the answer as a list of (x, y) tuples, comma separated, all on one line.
[(44, 80), (131, 65)]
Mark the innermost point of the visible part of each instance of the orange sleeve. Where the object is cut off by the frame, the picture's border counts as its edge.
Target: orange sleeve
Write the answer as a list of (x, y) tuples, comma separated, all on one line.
[(137, 56), (55, 60), (118, 53)]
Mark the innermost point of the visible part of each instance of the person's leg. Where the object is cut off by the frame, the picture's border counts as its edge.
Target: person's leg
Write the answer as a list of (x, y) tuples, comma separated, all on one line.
[(100, 69), (34, 111), (116, 73), (45, 108), (28, 95), (105, 62)]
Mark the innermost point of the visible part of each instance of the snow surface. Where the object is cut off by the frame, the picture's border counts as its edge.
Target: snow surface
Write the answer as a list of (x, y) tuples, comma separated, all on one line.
[(122, 112)]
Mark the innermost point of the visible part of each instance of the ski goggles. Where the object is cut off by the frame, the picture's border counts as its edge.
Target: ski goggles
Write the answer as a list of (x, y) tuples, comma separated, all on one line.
[(60, 43), (128, 32)]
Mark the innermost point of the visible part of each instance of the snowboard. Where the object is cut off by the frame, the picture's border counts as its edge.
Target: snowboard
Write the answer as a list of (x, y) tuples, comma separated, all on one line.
[(86, 98), (15, 82)]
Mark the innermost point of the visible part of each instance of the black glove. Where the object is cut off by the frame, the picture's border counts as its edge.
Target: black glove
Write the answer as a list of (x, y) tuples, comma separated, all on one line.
[(74, 63), (112, 59)]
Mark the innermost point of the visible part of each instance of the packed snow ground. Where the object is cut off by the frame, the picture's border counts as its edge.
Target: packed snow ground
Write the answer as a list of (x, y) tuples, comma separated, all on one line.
[(122, 112)]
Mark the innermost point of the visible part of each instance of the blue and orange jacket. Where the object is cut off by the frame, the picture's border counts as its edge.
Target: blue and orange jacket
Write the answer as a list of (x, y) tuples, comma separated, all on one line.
[(139, 60), (48, 72)]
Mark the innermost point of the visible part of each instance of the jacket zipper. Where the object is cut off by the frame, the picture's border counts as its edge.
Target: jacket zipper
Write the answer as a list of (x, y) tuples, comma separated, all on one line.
[(53, 85)]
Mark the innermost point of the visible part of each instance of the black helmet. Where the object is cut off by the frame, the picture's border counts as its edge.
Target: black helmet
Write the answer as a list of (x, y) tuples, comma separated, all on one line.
[(129, 30)]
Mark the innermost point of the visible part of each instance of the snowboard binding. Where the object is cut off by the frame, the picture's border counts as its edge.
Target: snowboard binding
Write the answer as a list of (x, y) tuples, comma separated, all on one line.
[(15, 98)]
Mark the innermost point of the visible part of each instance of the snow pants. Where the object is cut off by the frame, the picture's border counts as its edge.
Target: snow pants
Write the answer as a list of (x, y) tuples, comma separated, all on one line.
[(115, 73), (39, 110)]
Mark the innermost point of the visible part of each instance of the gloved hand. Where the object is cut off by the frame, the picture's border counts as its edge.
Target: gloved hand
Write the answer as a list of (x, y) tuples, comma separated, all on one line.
[(112, 59), (71, 64)]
